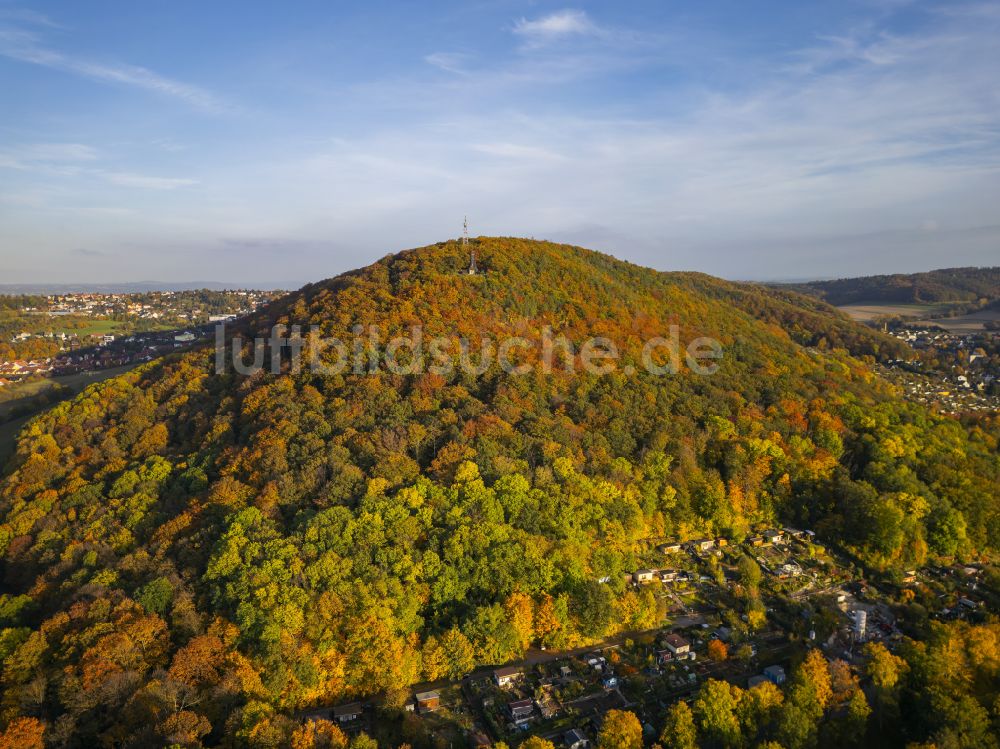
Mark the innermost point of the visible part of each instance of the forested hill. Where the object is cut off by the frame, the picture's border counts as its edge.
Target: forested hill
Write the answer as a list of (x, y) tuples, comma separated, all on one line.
[(969, 285), (193, 557)]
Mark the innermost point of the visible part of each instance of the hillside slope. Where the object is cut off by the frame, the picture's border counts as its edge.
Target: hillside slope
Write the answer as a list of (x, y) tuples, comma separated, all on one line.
[(194, 552)]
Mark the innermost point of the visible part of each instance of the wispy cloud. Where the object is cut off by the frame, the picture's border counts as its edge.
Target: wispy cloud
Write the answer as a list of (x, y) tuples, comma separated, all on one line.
[(557, 25), (30, 17), (25, 46), (33, 155), (149, 182), (452, 62), (78, 159), (517, 151)]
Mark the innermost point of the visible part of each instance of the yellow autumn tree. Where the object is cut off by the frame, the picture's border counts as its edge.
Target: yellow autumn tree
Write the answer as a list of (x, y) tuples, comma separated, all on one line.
[(520, 613), (621, 730)]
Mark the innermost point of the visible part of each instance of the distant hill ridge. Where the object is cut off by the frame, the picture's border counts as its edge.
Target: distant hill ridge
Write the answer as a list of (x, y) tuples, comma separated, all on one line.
[(937, 286), (133, 287)]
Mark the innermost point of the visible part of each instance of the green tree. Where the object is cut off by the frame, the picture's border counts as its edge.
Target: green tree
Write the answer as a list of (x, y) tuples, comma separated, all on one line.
[(593, 607), (679, 731), (715, 710), (460, 657)]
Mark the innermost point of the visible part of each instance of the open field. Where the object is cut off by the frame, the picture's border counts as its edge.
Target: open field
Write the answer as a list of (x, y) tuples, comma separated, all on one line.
[(11, 394), (971, 323), (868, 312), (920, 313), (93, 327)]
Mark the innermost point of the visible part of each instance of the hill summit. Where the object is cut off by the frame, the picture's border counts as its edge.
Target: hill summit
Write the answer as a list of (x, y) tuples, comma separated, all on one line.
[(250, 545)]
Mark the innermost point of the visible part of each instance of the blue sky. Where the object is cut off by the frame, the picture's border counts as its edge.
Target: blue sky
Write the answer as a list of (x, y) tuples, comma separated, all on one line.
[(269, 144)]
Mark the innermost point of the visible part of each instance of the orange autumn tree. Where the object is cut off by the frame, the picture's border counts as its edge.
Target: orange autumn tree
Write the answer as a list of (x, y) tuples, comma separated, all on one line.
[(717, 650)]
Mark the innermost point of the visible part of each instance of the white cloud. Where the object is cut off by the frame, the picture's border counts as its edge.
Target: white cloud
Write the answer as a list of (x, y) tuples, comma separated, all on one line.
[(563, 23)]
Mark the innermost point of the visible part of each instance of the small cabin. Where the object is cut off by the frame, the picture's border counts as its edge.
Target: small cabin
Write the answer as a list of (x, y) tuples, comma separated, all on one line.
[(507, 676), (427, 702), (347, 713), (775, 674)]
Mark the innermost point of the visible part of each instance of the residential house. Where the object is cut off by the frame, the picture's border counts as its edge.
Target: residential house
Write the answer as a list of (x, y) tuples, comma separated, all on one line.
[(677, 644), (574, 738), (664, 656), (703, 544), (673, 547), (427, 702), (775, 674), (755, 541), (347, 713), (644, 576), (521, 710), (773, 536), (507, 676), (669, 576)]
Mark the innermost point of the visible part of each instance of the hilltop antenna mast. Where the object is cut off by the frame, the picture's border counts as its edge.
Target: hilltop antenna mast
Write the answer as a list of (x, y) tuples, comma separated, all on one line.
[(465, 244)]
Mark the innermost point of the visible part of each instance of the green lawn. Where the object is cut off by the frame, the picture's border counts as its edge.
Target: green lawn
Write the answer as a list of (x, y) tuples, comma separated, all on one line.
[(92, 327)]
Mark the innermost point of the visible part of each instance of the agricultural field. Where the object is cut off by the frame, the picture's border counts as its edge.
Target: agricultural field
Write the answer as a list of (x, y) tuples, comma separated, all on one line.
[(923, 314), (865, 313), (971, 323)]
